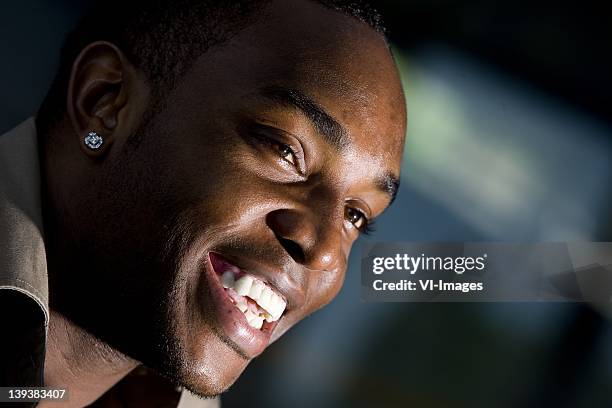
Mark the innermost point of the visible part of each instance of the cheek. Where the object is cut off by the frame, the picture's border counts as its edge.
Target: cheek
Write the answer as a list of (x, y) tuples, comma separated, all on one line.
[(228, 193), (207, 178), (324, 288)]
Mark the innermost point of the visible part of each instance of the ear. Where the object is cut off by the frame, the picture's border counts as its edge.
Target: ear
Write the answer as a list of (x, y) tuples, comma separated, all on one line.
[(97, 93)]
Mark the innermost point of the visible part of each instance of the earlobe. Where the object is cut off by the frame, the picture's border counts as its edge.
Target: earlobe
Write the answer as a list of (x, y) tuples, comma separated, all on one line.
[(96, 94)]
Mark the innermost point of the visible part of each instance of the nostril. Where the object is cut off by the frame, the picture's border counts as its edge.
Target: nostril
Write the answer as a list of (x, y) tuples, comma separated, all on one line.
[(294, 249)]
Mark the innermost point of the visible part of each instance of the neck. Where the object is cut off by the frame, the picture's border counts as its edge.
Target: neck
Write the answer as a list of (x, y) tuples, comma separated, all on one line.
[(75, 360), (80, 363)]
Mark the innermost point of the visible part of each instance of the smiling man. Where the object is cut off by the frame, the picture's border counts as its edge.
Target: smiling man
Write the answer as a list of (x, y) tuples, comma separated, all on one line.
[(199, 172)]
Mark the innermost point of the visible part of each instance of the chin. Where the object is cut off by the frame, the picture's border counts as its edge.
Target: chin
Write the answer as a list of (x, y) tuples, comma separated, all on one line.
[(205, 363), (212, 325), (207, 385)]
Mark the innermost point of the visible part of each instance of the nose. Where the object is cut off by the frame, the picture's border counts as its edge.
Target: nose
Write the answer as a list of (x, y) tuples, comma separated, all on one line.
[(314, 243)]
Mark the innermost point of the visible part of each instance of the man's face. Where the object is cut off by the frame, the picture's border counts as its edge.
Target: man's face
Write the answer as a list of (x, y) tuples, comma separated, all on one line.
[(267, 159)]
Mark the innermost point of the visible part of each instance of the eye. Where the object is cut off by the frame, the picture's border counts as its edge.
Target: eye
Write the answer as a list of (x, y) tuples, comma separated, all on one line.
[(286, 153), (274, 144), (358, 219)]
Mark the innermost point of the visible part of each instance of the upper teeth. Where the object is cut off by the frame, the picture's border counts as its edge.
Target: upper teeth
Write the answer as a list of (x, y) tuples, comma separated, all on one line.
[(257, 290)]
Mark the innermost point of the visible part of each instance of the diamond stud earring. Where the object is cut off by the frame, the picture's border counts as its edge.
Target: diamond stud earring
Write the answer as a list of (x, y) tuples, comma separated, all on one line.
[(93, 140)]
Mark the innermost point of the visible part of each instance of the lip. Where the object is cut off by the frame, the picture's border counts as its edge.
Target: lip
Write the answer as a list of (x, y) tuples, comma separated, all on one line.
[(231, 321)]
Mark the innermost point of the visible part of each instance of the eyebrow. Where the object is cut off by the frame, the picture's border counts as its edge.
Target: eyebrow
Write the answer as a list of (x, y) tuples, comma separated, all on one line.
[(389, 184), (333, 132)]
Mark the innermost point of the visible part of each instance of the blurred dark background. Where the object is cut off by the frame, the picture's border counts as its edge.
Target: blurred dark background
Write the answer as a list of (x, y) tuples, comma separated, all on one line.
[(509, 139)]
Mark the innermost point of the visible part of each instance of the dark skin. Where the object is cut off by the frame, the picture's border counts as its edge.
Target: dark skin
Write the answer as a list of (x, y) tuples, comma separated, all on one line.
[(238, 161)]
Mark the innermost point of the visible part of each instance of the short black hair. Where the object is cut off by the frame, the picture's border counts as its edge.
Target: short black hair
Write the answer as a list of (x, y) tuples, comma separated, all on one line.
[(164, 37)]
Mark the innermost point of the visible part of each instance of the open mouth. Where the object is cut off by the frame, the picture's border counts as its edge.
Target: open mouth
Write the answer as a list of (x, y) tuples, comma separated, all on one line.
[(246, 307), (259, 303), (253, 297)]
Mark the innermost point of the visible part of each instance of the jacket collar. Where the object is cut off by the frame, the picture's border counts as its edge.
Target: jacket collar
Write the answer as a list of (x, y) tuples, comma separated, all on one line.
[(23, 265)]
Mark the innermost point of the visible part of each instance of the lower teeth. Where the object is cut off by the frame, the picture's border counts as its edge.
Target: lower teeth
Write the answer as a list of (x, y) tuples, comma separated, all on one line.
[(255, 320)]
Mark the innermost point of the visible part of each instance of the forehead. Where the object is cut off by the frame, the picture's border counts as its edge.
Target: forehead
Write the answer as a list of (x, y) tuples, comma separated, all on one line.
[(338, 61)]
